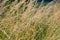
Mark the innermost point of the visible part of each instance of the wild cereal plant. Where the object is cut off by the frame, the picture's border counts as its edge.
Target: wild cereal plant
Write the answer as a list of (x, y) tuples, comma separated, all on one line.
[(25, 20)]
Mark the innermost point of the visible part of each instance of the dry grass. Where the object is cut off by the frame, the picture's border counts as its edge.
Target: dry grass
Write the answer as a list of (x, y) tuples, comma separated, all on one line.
[(22, 20)]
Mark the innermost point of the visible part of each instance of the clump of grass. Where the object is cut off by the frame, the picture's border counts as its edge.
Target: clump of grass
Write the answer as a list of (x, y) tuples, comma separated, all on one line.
[(23, 20)]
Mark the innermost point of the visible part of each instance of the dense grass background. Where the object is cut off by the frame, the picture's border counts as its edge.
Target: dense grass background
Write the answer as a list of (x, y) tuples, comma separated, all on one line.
[(29, 20)]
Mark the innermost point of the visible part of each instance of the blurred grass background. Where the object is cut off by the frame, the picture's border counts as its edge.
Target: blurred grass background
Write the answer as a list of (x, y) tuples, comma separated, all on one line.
[(29, 20)]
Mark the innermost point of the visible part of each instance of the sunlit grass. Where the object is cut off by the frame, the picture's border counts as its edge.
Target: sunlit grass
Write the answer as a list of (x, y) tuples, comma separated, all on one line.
[(29, 20)]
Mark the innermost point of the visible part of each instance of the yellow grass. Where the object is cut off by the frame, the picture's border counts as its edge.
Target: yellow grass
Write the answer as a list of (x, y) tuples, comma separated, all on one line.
[(21, 20)]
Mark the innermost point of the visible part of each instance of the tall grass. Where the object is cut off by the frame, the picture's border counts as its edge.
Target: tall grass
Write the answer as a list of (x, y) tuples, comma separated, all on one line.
[(23, 20)]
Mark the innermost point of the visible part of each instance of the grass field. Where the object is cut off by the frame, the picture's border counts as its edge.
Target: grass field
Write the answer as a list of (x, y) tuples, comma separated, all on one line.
[(27, 20)]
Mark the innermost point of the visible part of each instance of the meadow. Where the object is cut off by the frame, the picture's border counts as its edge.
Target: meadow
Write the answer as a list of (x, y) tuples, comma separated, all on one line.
[(29, 20)]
